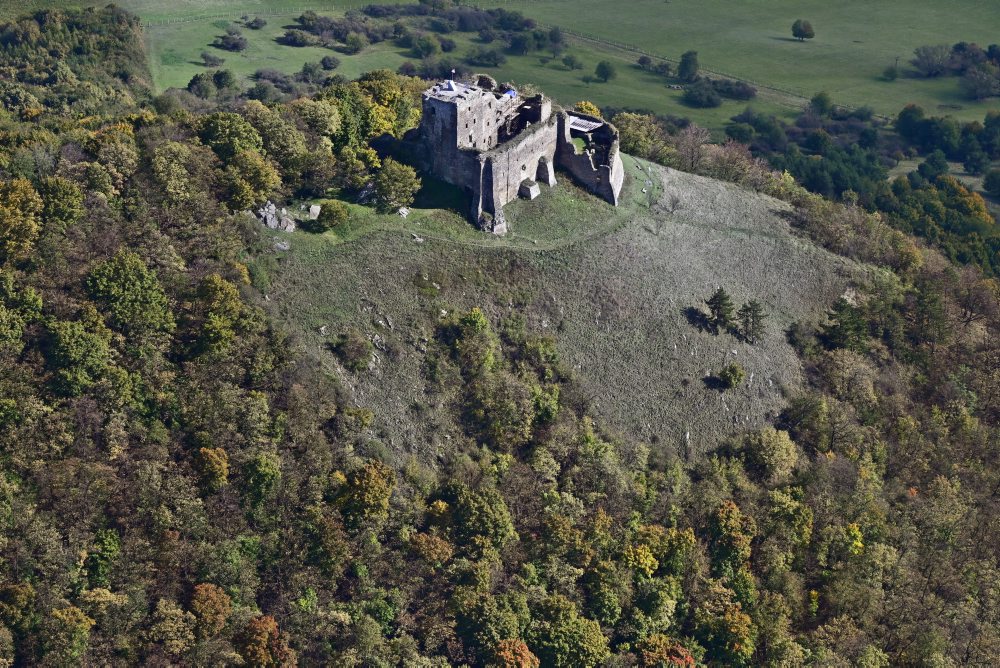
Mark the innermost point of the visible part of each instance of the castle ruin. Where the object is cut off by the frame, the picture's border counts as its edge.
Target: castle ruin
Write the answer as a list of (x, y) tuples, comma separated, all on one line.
[(497, 146)]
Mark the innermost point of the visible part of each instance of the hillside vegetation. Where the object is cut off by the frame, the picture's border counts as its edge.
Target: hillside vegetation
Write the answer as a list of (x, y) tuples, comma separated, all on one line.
[(614, 291), (396, 442)]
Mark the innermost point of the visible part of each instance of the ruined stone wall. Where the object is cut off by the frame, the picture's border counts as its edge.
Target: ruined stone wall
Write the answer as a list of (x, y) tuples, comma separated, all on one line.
[(463, 139), (479, 116), (604, 177), (518, 159)]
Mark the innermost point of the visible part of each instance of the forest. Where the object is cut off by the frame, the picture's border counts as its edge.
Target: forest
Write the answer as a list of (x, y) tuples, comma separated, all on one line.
[(178, 486)]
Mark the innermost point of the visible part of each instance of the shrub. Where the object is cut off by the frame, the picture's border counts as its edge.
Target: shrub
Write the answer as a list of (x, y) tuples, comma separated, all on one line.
[(991, 183), (256, 24), (354, 350), (332, 214), (735, 90), (297, 38), (202, 85), (355, 43), (732, 375), (232, 41), (330, 62), (741, 132), (702, 94), (484, 57), (426, 46), (211, 60), (587, 107)]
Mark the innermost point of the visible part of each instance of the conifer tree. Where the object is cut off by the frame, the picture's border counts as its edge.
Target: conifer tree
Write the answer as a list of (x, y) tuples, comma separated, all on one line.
[(720, 307), (847, 328), (751, 318)]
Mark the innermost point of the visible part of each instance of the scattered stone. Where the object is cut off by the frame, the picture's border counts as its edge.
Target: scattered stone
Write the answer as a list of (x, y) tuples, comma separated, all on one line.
[(282, 245), (417, 238), (268, 215), (322, 330), (529, 189), (644, 190), (403, 211), (286, 223)]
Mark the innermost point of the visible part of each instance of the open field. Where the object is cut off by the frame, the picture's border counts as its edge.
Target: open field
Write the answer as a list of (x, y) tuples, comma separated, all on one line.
[(174, 50), (611, 284), (855, 41)]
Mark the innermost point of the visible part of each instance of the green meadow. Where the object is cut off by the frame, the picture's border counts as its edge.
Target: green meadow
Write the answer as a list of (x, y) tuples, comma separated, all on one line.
[(751, 39), (855, 41)]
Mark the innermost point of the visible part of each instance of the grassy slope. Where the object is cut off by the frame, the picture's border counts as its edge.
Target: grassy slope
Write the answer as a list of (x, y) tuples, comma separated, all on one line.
[(856, 40), (612, 286), (174, 50)]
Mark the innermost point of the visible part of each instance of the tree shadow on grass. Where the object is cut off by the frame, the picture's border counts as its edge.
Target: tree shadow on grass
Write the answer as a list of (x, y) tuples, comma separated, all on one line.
[(436, 194), (714, 383), (697, 319)]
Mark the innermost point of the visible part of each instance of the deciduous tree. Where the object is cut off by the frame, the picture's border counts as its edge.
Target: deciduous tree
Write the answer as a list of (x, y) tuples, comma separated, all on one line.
[(20, 208), (131, 294), (262, 644), (605, 71), (396, 185), (802, 30), (688, 68), (211, 607), (561, 638)]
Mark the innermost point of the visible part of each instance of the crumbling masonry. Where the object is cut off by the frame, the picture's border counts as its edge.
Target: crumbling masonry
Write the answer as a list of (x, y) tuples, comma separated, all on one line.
[(497, 146)]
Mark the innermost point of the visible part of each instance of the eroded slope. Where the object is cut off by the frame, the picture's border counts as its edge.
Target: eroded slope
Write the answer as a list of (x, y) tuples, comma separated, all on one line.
[(615, 300)]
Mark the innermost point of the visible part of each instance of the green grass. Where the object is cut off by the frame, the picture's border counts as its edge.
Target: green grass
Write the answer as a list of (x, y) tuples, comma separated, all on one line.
[(631, 88), (563, 215), (174, 52), (855, 41)]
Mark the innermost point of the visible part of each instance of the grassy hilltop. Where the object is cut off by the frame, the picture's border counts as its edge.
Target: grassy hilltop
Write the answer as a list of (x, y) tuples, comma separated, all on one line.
[(611, 284)]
